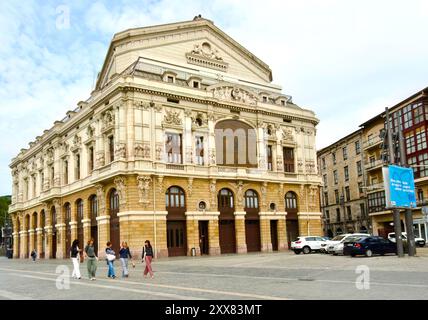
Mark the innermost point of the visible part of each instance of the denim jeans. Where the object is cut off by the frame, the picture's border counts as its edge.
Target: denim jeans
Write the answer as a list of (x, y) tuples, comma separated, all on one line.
[(124, 262), (110, 269)]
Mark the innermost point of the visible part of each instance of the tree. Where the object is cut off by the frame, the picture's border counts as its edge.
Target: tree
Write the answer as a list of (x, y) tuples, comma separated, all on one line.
[(4, 208)]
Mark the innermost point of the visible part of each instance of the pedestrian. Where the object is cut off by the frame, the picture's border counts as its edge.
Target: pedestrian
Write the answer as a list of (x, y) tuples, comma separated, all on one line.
[(124, 255), (75, 258), (92, 259), (147, 257), (110, 257), (34, 255)]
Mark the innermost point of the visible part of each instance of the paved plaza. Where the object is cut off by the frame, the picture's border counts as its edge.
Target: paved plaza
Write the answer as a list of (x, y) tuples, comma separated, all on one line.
[(252, 276)]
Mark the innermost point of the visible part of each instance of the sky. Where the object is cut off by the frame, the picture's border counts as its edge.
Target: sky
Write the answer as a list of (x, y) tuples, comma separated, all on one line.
[(346, 60)]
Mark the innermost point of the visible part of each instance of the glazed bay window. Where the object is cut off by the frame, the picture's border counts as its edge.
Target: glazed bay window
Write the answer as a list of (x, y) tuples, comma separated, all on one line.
[(173, 148), (199, 150), (288, 155), (421, 139), (376, 201), (269, 158)]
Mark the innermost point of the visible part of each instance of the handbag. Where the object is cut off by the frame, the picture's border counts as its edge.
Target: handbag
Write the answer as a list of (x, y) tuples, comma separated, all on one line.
[(110, 257)]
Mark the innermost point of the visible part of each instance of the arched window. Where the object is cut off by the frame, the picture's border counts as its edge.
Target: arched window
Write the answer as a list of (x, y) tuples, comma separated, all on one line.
[(251, 199), (225, 199), (114, 203), (53, 217), (175, 198), (290, 201), (93, 204), (236, 144), (34, 224), (27, 221), (67, 210), (79, 204), (42, 219)]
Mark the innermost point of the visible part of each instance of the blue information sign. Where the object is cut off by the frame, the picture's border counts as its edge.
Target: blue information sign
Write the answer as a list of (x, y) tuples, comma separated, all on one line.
[(399, 187)]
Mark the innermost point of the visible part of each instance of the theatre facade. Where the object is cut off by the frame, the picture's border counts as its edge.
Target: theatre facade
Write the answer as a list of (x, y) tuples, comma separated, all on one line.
[(185, 141)]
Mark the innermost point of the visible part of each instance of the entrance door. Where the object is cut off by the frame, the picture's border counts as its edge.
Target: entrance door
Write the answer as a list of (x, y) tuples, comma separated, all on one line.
[(176, 238), (53, 244), (114, 220), (274, 234), (227, 236), (226, 206), (203, 237), (292, 231), (252, 235)]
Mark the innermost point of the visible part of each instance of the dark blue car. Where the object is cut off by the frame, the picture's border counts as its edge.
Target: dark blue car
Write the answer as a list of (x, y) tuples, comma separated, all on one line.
[(368, 246)]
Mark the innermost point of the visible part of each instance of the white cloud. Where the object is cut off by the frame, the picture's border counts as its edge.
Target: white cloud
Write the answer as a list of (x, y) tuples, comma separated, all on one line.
[(345, 60)]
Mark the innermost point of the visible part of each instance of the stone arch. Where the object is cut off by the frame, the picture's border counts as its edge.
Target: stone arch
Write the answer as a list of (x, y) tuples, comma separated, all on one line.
[(292, 223)]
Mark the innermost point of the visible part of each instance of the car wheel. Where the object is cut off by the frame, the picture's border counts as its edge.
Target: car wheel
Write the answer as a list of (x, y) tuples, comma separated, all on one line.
[(335, 254), (421, 244), (369, 253), (306, 250), (297, 251), (352, 254)]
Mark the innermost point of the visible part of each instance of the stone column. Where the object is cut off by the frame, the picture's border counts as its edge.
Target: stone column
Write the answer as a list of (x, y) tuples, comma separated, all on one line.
[(48, 242), (86, 221), (16, 245), (73, 228), (265, 235), (282, 234), (187, 138), (32, 234), (213, 236), (39, 244), (103, 234), (192, 230), (24, 244), (241, 243)]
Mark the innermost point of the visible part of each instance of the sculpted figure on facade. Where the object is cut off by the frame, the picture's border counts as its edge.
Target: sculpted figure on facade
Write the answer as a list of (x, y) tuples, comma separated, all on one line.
[(108, 119), (120, 151), (121, 189), (101, 197), (100, 159), (173, 117), (144, 183)]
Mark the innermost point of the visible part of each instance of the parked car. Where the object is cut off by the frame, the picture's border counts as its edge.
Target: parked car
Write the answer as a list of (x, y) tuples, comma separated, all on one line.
[(335, 246), (307, 244), (419, 241), (368, 246), (323, 248)]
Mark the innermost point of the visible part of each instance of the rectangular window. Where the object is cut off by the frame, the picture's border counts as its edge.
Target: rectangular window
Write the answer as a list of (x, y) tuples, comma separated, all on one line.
[(421, 139), (323, 162), (324, 178), (407, 117), (345, 153), (423, 162), (52, 176), (199, 150), (360, 187), (346, 173), (65, 172), (376, 201), (336, 196), (111, 148), (359, 168), (196, 84), (347, 194), (173, 147), (269, 158), (91, 159), (288, 155), (357, 147), (349, 213), (327, 215), (335, 177), (418, 112), (326, 198), (170, 79), (363, 210), (77, 167), (337, 215), (334, 157)]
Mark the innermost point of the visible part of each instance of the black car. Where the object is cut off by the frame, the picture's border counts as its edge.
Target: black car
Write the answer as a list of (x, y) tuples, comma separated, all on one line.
[(368, 246)]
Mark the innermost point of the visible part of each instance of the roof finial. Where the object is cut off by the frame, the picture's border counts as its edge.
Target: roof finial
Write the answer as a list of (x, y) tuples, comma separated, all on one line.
[(198, 17)]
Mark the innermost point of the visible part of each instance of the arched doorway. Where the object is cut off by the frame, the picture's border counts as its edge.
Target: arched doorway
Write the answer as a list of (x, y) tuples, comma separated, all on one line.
[(252, 221), (42, 234), (54, 232), (114, 220), (226, 206), (292, 222), (34, 227), (27, 228), (175, 201), (79, 214), (68, 240), (93, 207)]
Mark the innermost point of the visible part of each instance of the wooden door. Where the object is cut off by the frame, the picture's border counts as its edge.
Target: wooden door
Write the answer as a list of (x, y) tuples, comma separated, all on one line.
[(54, 244), (274, 234), (176, 238), (252, 235), (227, 236), (292, 231), (203, 237)]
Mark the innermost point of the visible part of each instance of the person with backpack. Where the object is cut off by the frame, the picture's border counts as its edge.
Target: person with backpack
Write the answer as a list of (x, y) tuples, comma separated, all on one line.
[(91, 259), (75, 258), (124, 255), (110, 257), (147, 257)]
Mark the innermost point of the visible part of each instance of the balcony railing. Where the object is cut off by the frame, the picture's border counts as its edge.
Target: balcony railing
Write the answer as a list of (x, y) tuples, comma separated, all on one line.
[(373, 164), (371, 142), (374, 186)]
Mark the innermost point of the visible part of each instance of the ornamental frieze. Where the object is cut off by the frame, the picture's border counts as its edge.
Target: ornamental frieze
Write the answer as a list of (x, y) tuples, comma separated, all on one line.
[(173, 118), (120, 150), (234, 94)]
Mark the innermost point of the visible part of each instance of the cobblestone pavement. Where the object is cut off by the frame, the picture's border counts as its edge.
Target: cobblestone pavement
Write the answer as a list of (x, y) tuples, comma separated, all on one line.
[(252, 276)]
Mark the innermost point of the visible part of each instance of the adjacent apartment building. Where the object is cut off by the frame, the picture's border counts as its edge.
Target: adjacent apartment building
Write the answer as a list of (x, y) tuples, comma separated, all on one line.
[(411, 117), (147, 156), (343, 194)]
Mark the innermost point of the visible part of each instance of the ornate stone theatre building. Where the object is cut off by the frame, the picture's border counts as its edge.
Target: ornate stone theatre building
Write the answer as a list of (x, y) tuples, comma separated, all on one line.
[(146, 157)]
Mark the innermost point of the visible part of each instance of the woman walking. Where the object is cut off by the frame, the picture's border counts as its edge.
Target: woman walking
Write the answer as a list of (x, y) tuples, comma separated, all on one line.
[(92, 259), (147, 257), (124, 255), (110, 257), (75, 258)]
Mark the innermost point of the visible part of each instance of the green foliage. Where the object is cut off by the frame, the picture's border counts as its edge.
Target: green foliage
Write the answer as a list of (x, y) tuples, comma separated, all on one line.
[(4, 208)]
